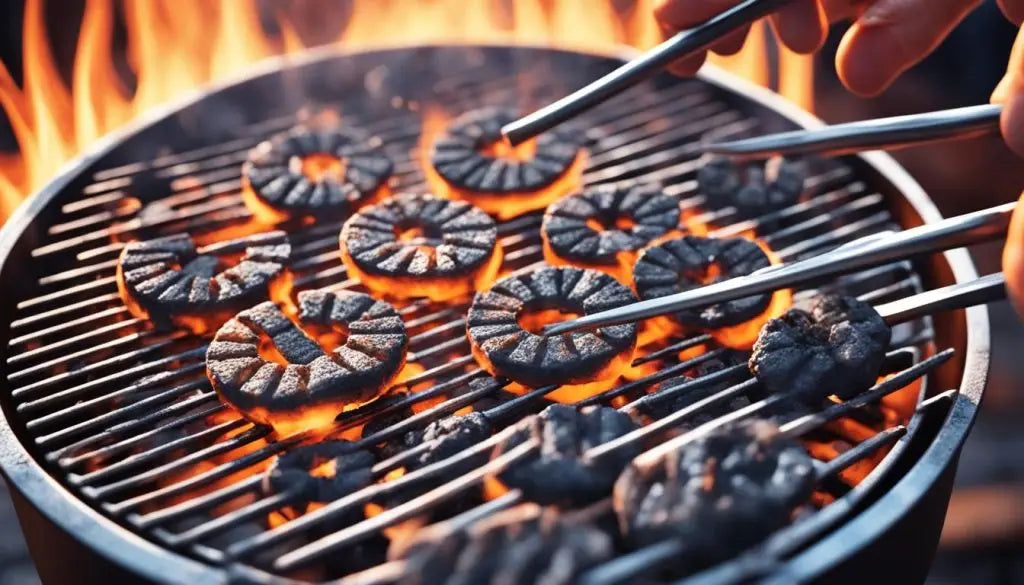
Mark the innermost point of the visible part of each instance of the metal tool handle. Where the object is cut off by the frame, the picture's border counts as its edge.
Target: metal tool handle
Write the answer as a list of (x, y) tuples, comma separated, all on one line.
[(881, 133), (949, 233), (682, 44), (980, 291)]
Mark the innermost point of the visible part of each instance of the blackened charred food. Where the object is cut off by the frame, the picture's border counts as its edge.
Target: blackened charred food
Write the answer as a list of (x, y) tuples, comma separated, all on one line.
[(668, 398), (421, 246), (605, 226), (558, 473), (167, 280), (321, 472), (719, 495), (449, 436), (838, 348), (522, 545), (754, 190), (470, 161), (369, 350), (314, 173), (690, 262), (504, 347)]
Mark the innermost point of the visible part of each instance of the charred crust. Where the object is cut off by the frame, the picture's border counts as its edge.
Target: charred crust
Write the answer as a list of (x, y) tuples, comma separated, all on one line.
[(837, 348), (755, 189), (273, 179), (558, 473), (166, 277), (680, 264), (719, 494), (511, 351), (448, 436), (457, 155), (371, 356), (569, 236), (292, 471)]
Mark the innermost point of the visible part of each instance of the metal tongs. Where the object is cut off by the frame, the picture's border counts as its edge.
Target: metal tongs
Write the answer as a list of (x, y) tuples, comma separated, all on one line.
[(971, 228), (682, 44), (878, 134)]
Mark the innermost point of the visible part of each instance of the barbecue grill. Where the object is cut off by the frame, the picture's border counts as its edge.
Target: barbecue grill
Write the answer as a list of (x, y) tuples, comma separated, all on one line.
[(125, 466)]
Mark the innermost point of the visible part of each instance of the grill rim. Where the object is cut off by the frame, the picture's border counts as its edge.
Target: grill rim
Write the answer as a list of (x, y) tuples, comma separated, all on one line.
[(131, 551)]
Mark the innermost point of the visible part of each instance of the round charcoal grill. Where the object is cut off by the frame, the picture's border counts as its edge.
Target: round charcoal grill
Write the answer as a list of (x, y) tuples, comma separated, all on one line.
[(123, 464)]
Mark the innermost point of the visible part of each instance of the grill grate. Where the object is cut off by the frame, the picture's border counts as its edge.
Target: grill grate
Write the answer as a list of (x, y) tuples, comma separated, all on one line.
[(125, 416)]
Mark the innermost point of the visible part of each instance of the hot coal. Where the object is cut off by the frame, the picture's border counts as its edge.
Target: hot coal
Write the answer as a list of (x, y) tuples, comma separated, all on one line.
[(521, 545), (368, 358), (275, 181), (673, 402), (631, 218), (459, 155), (349, 469), (504, 347), (754, 190), (452, 249), (718, 495), (165, 279), (838, 348), (379, 422), (558, 473), (690, 262)]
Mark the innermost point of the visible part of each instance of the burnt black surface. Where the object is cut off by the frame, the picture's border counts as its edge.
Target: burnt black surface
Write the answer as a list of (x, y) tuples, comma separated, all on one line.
[(457, 238), (449, 436), (558, 474), (719, 495), (648, 209), (664, 400), (521, 545), (838, 348), (371, 355), (754, 190), (458, 158), (167, 278), (291, 471), (276, 181), (533, 360), (682, 264)]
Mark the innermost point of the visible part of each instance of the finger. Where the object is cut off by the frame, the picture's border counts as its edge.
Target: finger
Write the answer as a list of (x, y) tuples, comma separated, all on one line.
[(1013, 9), (836, 10), (1013, 258), (676, 15), (731, 43), (688, 66), (801, 25), (1010, 93), (893, 35)]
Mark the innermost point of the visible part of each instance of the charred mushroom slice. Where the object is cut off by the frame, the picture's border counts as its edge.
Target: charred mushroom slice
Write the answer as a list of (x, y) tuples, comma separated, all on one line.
[(838, 348), (692, 261), (421, 246), (719, 495), (755, 190), (523, 545), (293, 380), (314, 173), (503, 328), (605, 226), (559, 474), (471, 161), (322, 472), (171, 282)]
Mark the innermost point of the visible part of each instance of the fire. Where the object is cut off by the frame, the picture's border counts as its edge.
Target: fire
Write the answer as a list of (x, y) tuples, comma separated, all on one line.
[(176, 46)]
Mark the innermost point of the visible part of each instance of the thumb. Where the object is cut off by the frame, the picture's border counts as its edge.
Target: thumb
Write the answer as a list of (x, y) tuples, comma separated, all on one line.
[(1013, 258), (1010, 93)]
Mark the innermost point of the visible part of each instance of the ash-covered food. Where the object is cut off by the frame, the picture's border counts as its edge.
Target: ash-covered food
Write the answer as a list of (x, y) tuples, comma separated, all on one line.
[(421, 246), (369, 346), (471, 161), (754, 189), (314, 172), (505, 347), (605, 226), (168, 281), (719, 494), (836, 348), (525, 544), (690, 262), (321, 472), (559, 473)]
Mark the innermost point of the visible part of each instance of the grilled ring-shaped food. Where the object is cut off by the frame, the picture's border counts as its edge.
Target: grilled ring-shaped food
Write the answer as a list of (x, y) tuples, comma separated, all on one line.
[(421, 246), (504, 346), (755, 190), (606, 226), (471, 161), (313, 385), (321, 472), (172, 283), (314, 173)]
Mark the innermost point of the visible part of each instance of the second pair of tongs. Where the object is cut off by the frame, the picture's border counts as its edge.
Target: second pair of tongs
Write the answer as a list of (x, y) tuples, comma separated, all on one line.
[(972, 228)]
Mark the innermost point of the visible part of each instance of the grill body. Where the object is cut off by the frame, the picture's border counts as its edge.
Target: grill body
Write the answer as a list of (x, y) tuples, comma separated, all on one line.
[(884, 529)]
